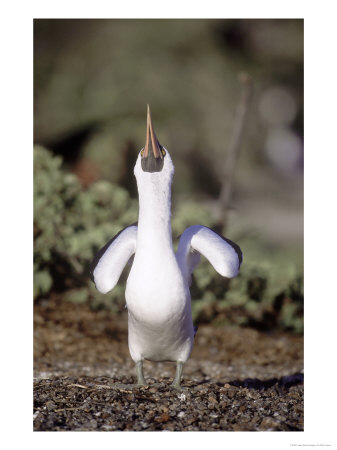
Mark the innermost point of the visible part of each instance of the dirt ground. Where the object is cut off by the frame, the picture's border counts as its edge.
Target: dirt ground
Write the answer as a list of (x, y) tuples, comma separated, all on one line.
[(236, 378)]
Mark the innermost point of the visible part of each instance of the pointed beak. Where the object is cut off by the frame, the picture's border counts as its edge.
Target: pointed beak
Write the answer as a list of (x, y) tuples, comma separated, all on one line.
[(152, 143)]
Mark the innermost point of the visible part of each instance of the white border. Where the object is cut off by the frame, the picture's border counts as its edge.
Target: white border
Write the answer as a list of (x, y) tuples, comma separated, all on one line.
[(320, 223)]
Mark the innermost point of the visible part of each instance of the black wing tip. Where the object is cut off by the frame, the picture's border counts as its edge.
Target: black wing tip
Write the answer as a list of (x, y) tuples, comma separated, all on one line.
[(235, 246)]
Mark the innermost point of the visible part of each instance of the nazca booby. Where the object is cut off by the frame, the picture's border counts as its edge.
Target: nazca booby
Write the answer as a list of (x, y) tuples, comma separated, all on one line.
[(157, 293)]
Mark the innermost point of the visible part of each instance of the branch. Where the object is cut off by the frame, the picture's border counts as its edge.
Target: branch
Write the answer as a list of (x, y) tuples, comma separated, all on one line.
[(234, 148)]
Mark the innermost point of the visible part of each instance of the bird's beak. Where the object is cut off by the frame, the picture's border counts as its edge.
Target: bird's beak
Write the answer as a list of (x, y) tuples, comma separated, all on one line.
[(152, 143)]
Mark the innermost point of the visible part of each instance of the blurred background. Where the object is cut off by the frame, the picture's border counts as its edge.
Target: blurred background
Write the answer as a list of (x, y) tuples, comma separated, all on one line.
[(92, 82)]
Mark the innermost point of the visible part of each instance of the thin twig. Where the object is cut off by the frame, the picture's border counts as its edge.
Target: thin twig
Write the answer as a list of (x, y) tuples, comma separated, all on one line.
[(68, 409), (234, 148), (77, 385), (102, 386)]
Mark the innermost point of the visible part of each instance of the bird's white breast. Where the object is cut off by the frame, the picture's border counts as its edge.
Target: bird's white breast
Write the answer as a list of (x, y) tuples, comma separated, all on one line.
[(158, 302), (155, 290)]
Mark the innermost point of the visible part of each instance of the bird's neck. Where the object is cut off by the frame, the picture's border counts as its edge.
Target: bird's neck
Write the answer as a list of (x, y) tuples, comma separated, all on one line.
[(154, 222)]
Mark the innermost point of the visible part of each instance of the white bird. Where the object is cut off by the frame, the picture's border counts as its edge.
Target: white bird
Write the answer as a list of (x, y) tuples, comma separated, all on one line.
[(157, 293)]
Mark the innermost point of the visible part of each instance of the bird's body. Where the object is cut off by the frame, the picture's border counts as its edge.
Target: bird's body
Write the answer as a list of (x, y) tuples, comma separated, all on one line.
[(157, 298), (157, 290)]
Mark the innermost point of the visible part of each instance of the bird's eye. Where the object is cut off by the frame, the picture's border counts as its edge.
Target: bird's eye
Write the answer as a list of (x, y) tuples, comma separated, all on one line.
[(163, 152), (142, 153)]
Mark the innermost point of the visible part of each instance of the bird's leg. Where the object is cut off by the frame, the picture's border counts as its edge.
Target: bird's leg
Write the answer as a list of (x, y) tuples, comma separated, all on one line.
[(177, 378), (140, 379), (140, 375)]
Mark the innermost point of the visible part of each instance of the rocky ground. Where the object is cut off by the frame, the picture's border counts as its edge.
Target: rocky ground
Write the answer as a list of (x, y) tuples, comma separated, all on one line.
[(236, 379)]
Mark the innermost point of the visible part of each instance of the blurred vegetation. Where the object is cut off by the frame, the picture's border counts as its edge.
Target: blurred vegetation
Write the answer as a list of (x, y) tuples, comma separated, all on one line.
[(71, 223), (92, 81)]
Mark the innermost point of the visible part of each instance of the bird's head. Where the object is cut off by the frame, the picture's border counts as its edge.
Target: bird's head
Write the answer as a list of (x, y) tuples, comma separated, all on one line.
[(154, 161)]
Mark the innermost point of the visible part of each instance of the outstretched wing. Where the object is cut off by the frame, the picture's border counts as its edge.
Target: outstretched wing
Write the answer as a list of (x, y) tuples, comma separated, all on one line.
[(111, 259), (224, 255)]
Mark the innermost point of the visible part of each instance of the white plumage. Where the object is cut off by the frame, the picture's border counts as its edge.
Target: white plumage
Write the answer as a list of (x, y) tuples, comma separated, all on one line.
[(111, 264), (157, 289)]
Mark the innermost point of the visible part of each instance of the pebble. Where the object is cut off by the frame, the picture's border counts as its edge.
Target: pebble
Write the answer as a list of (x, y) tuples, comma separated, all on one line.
[(205, 407), (245, 386)]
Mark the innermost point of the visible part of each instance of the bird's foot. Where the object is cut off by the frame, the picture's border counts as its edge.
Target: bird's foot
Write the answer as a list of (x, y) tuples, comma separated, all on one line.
[(176, 386)]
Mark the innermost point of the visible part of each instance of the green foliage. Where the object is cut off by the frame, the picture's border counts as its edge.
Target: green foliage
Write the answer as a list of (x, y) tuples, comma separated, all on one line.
[(72, 223), (261, 296), (189, 213)]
